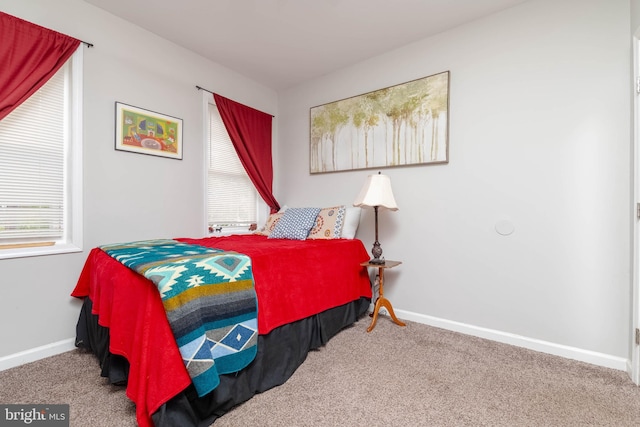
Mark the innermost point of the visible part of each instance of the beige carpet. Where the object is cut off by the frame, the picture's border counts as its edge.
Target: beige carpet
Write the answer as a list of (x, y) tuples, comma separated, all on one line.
[(393, 376)]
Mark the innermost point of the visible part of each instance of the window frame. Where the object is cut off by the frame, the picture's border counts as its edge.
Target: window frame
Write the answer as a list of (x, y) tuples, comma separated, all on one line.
[(262, 210), (72, 239)]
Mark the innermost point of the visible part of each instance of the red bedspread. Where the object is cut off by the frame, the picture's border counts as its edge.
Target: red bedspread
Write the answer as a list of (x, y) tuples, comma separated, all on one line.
[(293, 280)]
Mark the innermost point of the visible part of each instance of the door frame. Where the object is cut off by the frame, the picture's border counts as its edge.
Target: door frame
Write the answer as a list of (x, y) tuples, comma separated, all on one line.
[(634, 368)]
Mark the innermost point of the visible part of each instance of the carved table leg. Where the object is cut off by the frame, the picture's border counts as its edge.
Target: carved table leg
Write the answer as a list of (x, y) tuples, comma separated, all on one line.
[(382, 302)]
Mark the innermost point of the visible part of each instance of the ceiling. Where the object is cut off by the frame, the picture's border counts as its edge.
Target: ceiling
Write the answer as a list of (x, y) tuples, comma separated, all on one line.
[(281, 43)]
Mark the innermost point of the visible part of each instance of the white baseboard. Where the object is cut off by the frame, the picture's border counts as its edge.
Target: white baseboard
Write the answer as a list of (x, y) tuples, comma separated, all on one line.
[(587, 356), (592, 357), (31, 355)]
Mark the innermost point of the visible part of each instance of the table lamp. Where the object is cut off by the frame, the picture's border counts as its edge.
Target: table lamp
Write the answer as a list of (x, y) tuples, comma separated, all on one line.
[(376, 193)]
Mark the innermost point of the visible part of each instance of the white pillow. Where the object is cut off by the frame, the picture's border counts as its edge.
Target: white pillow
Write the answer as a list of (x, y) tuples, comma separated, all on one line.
[(351, 222)]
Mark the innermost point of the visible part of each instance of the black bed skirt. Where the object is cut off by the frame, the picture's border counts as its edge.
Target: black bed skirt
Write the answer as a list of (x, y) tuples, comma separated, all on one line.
[(280, 353)]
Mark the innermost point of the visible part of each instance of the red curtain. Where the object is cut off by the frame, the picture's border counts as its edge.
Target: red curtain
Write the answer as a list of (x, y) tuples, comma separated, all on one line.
[(250, 132), (30, 55)]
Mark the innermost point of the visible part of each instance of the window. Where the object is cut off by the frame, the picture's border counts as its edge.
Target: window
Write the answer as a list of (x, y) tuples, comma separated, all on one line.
[(233, 202), (41, 169)]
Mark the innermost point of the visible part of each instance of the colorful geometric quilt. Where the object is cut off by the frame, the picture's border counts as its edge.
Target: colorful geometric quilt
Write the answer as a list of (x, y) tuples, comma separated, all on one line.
[(210, 301)]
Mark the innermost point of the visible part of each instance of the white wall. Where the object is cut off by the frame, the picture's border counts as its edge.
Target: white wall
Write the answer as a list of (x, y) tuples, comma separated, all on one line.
[(635, 15), (540, 136), (126, 196)]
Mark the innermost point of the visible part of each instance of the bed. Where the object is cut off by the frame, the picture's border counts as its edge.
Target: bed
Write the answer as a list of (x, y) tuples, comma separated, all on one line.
[(307, 291)]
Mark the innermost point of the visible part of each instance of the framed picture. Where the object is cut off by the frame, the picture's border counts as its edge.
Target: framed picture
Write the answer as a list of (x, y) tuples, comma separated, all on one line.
[(147, 132), (406, 124)]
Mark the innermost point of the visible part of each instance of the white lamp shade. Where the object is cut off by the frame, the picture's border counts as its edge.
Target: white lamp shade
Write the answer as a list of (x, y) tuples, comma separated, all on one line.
[(377, 192)]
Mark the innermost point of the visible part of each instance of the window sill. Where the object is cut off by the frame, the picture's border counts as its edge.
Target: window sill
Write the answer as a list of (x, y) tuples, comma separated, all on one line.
[(228, 231), (60, 248)]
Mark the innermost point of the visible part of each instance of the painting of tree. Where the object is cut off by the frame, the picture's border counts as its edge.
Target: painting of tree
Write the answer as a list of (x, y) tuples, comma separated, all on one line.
[(400, 125)]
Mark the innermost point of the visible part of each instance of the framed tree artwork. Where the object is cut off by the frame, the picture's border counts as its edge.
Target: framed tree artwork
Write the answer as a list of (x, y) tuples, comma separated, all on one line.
[(406, 124)]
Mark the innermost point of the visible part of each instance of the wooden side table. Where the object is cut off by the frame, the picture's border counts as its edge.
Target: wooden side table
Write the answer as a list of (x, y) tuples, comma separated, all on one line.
[(381, 301)]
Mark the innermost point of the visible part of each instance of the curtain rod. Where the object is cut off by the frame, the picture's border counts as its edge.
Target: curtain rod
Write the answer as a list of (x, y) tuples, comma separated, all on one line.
[(207, 90), (87, 44)]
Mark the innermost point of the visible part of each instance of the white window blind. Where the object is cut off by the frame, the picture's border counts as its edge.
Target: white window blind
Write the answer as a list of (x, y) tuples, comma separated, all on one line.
[(32, 165), (232, 197)]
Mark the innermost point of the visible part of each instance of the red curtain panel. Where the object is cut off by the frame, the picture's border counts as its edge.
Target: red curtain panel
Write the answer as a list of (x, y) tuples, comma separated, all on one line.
[(250, 133), (30, 55)]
